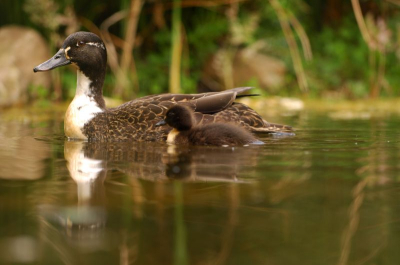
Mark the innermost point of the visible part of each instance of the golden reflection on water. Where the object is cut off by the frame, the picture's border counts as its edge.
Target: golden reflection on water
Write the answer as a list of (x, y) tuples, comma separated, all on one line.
[(323, 197), (84, 223), (22, 158)]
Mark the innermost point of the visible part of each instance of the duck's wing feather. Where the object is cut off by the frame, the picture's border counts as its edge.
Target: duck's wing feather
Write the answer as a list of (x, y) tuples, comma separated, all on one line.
[(213, 102), (206, 103)]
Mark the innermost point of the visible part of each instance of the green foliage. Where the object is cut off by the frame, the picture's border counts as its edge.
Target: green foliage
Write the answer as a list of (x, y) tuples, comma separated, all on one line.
[(39, 94), (203, 34), (209, 29), (12, 13), (340, 61), (109, 84), (68, 83), (152, 70)]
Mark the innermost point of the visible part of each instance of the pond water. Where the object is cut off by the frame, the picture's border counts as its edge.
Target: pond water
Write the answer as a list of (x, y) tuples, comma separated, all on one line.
[(328, 195)]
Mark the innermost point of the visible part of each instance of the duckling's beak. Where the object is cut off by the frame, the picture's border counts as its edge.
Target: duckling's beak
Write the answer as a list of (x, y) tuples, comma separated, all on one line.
[(57, 60), (160, 123)]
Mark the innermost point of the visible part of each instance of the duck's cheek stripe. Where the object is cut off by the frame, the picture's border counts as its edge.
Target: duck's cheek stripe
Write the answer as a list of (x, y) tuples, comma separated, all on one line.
[(97, 44), (66, 52)]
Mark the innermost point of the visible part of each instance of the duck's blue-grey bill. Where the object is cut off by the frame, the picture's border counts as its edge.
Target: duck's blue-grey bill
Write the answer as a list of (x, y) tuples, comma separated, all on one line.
[(57, 60), (160, 123)]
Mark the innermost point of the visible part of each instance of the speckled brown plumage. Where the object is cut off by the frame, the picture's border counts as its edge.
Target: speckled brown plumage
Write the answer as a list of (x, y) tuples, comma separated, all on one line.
[(135, 120)]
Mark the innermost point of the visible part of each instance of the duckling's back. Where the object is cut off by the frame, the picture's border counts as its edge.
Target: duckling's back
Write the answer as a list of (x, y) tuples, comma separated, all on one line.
[(217, 134)]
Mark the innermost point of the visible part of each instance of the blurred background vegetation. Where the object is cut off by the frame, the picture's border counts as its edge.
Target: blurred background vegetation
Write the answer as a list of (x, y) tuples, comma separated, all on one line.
[(332, 48)]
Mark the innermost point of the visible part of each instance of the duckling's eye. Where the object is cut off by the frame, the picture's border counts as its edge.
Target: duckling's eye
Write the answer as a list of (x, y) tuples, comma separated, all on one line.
[(80, 43)]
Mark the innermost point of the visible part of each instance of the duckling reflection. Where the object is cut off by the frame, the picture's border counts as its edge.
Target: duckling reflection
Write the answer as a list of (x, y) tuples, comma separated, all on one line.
[(156, 162), (210, 164)]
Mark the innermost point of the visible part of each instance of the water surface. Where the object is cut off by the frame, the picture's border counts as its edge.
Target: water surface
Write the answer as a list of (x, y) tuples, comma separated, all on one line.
[(329, 195)]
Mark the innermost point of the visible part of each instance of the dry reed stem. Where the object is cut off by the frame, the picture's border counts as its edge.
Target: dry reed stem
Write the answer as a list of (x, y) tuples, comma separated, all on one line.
[(291, 41), (130, 34), (176, 54), (228, 52), (380, 76), (375, 45), (106, 36), (354, 219), (122, 82), (362, 25), (396, 2), (206, 3), (305, 42), (228, 232), (158, 15), (116, 41)]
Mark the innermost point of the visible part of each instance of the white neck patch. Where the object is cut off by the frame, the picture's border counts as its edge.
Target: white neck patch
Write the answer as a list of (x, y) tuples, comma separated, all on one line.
[(81, 110), (82, 84), (97, 44)]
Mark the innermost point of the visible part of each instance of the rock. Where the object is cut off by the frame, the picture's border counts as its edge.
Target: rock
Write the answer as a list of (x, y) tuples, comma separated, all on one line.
[(268, 71), (248, 64), (20, 50), (292, 104)]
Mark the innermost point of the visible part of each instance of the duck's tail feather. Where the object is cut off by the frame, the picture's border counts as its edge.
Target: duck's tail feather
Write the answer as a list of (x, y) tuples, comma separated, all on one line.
[(275, 128), (247, 95), (239, 90)]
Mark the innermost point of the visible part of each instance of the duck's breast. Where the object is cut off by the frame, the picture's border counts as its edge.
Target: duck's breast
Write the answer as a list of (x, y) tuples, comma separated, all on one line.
[(81, 111)]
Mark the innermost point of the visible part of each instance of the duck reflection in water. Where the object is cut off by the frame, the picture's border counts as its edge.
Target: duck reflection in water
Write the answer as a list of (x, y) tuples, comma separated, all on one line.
[(91, 224), (89, 162), (83, 224)]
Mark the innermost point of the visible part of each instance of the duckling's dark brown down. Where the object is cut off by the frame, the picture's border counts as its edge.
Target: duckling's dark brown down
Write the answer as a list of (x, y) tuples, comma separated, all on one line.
[(217, 134), (187, 132)]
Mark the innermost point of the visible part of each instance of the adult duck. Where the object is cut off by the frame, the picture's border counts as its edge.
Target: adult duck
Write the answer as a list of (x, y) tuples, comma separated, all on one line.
[(87, 117)]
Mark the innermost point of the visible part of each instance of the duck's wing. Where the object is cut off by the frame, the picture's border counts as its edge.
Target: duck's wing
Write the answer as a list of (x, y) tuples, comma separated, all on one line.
[(214, 102), (206, 103)]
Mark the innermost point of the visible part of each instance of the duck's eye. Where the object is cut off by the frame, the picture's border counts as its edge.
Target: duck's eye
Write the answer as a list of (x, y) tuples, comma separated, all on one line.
[(80, 43)]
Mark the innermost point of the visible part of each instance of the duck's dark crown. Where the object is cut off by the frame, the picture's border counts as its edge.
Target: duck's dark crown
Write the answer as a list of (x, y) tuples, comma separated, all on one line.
[(180, 118), (88, 52)]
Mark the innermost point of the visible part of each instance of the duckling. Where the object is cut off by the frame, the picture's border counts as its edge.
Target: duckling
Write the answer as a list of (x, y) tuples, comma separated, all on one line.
[(87, 117), (185, 131)]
